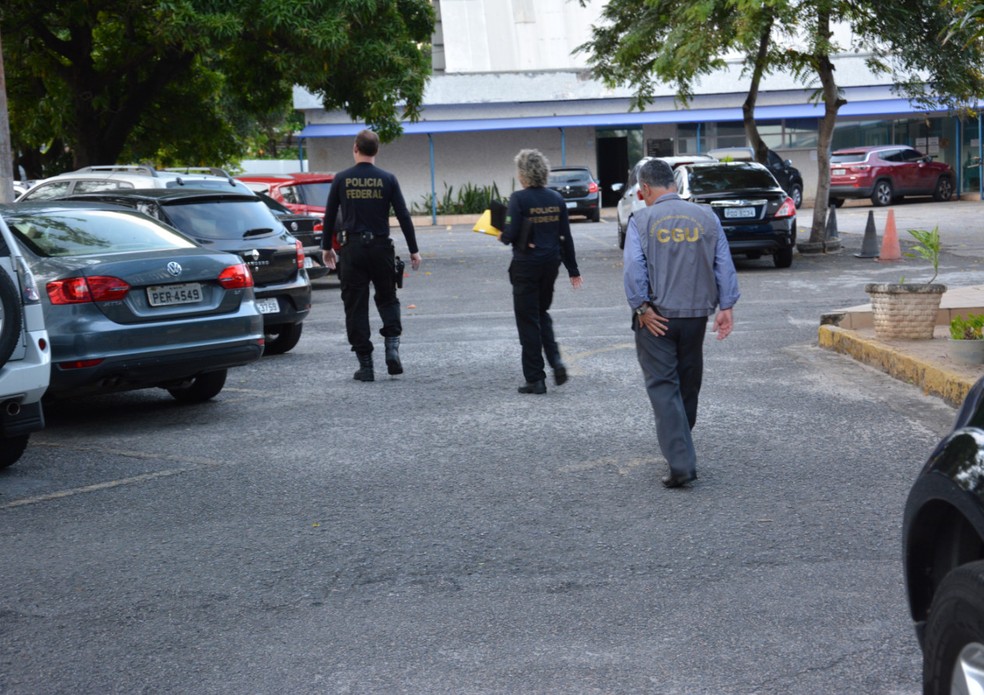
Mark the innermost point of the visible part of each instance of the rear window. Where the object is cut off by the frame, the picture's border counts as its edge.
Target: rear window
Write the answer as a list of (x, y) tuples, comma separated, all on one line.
[(729, 178), (93, 232), (231, 218), (315, 194), (841, 157), (560, 178)]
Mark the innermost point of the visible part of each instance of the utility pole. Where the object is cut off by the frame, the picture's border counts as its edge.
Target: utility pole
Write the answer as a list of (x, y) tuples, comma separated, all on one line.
[(6, 154)]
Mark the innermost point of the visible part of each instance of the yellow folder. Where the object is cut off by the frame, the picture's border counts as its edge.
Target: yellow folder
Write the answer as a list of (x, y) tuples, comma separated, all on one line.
[(484, 225)]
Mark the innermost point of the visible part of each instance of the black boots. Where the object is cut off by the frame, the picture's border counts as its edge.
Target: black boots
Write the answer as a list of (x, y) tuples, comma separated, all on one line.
[(365, 369), (533, 387), (393, 365)]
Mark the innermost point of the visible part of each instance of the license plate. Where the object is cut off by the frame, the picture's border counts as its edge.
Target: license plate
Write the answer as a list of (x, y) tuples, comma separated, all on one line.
[(308, 262), (571, 205), (170, 295), (739, 213), (838, 172), (268, 305)]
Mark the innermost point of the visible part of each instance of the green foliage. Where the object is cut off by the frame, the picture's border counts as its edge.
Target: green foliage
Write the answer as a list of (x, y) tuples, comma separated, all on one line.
[(970, 327), (469, 199), (201, 80), (927, 247)]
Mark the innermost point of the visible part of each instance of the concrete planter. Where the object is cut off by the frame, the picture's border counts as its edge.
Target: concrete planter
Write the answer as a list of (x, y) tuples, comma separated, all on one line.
[(967, 351), (904, 311)]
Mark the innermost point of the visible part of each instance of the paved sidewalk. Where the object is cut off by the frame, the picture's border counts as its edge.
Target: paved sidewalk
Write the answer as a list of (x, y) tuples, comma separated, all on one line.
[(925, 363)]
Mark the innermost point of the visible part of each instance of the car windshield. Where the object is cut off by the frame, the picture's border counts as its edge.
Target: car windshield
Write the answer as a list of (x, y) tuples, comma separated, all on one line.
[(314, 193), (218, 218), (93, 232), (841, 157), (714, 179), (559, 178)]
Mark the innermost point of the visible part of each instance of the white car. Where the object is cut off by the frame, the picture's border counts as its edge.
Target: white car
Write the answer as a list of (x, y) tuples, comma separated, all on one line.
[(25, 353), (110, 177), (631, 199)]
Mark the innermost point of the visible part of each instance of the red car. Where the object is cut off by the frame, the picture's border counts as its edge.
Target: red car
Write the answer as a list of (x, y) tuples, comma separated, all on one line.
[(887, 173), (301, 193)]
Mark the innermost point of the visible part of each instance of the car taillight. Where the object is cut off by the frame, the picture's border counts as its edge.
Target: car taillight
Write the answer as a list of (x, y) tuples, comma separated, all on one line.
[(787, 209), (236, 277), (98, 288), (592, 187), (319, 226), (300, 254)]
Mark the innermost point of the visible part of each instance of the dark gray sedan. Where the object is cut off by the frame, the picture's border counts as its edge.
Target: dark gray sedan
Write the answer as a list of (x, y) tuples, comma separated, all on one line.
[(131, 303)]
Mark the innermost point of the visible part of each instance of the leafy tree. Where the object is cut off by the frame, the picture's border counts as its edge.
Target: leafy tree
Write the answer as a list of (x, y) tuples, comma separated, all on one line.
[(192, 81), (642, 41)]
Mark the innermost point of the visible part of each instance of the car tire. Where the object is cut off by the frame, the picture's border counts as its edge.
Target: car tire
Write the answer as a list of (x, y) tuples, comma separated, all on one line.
[(796, 193), (11, 449), (783, 258), (944, 189), (11, 316), (621, 234), (281, 338), (954, 630), (596, 215), (837, 202), (202, 388), (881, 194)]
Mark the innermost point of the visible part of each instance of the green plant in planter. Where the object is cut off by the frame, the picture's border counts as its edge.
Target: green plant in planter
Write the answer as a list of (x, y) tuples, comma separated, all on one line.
[(970, 327), (927, 247)]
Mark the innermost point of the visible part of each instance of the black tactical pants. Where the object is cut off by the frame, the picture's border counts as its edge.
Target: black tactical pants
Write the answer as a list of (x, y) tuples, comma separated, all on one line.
[(361, 264), (533, 290)]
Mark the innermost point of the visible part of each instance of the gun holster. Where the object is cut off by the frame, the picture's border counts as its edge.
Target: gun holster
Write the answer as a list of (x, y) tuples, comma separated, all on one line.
[(398, 267)]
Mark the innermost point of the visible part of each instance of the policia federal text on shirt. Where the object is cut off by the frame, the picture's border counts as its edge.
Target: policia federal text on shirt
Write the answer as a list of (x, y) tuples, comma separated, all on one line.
[(365, 193)]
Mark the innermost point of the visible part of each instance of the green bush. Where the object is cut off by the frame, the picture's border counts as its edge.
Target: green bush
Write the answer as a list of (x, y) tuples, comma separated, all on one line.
[(469, 199), (970, 327)]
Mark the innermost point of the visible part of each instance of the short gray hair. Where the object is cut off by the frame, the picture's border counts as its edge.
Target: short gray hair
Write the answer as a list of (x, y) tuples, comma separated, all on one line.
[(657, 174), (533, 167)]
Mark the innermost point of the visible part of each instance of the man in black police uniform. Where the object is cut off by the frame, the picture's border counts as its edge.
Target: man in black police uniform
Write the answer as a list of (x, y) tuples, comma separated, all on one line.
[(366, 194)]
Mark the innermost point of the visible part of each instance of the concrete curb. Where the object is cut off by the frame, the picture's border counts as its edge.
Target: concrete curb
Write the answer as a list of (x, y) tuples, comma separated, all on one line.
[(933, 379)]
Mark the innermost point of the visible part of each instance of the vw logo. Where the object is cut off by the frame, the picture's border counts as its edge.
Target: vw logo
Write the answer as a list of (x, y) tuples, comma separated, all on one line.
[(174, 269)]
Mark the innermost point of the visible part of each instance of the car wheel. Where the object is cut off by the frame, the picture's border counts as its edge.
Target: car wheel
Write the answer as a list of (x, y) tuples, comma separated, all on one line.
[(944, 189), (280, 339), (837, 202), (11, 316), (953, 649), (202, 388), (797, 195), (596, 215), (783, 258), (881, 195), (11, 449)]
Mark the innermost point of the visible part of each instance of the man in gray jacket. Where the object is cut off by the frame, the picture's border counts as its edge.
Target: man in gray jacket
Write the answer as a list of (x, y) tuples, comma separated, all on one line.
[(678, 270)]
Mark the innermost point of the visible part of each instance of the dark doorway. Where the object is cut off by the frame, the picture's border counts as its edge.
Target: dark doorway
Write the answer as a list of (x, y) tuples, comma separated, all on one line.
[(613, 166)]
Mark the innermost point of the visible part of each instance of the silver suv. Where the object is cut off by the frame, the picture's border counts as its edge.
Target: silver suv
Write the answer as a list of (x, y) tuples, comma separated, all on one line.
[(114, 177), (25, 356)]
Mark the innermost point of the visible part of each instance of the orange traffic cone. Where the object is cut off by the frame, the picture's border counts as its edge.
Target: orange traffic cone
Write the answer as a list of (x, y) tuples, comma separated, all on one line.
[(890, 250)]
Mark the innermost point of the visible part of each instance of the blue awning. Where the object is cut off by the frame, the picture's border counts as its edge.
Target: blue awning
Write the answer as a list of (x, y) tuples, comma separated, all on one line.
[(853, 109)]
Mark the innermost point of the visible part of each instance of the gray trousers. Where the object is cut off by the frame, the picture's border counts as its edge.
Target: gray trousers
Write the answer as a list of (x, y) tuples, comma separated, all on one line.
[(673, 366)]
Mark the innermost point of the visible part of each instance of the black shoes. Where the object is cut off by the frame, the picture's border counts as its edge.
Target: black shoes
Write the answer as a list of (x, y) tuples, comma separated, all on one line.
[(672, 481), (560, 375), (393, 365), (364, 372), (533, 387)]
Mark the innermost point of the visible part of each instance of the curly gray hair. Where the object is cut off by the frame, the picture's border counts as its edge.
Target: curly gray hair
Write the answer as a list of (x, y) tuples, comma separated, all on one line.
[(533, 167)]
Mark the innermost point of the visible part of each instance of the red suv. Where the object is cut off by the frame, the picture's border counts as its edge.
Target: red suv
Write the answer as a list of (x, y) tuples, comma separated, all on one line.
[(886, 173), (304, 193)]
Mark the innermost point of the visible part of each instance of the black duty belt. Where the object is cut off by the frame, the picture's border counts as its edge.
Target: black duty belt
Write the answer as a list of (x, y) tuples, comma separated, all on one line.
[(365, 238)]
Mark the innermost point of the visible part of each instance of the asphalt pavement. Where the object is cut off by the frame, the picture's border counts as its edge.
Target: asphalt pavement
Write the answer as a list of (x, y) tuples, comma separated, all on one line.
[(440, 533)]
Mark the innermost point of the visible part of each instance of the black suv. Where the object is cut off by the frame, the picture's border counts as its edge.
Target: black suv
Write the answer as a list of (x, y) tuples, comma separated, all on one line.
[(756, 214), (943, 554), (239, 223), (580, 190)]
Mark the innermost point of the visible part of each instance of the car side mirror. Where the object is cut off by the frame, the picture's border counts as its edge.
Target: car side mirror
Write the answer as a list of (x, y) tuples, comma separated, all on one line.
[(617, 187)]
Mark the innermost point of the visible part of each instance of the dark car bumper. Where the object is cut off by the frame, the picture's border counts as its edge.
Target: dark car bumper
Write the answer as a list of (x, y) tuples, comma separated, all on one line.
[(764, 238), (583, 206), (293, 301)]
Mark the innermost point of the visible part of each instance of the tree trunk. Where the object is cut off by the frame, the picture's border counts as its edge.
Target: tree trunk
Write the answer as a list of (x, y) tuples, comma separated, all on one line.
[(6, 156), (748, 108), (832, 102)]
